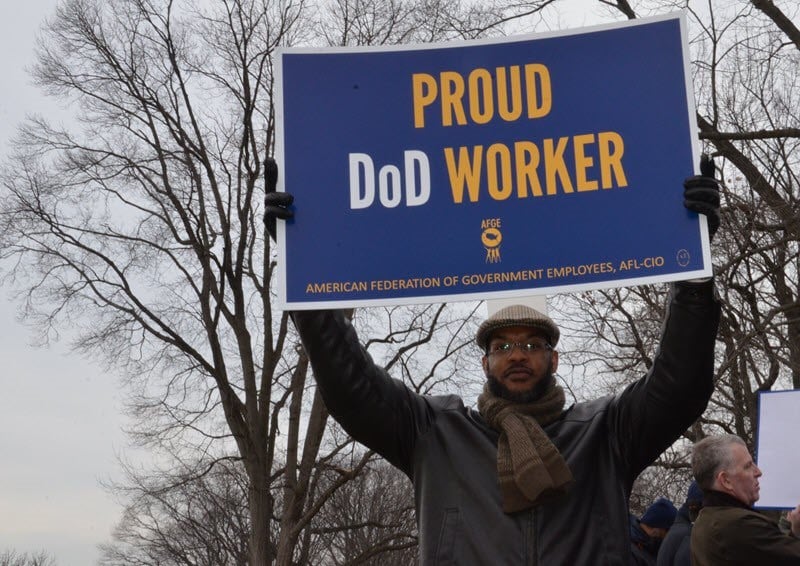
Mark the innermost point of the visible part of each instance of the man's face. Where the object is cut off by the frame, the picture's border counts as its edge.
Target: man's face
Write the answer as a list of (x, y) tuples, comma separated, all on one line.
[(514, 373), (658, 533), (741, 479)]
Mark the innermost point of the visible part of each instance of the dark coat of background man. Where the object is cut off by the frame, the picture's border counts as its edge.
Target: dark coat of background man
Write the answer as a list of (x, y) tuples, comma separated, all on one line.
[(675, 550), (522, 479), (728, 531), (649, 530)]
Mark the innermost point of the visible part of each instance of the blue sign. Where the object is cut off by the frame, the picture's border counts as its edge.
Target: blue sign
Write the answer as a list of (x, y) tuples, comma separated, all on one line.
[(486, 169)]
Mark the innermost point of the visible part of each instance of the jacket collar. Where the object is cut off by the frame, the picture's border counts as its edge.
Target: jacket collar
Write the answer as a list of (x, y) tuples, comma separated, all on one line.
[(713, 498)]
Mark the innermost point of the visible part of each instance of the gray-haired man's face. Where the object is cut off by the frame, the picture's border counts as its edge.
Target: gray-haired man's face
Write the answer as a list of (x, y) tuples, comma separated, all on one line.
[(741, 478)]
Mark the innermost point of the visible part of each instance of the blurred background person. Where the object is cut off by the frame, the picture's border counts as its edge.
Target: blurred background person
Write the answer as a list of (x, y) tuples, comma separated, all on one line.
[(649, 530), (675, 550)]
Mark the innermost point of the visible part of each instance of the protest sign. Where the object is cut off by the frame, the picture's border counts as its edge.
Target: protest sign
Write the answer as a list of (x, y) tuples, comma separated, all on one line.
[(488, 169), (777, 453)]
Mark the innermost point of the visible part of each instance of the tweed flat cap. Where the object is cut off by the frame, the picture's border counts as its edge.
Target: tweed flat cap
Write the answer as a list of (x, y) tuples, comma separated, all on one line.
[(517, 315)]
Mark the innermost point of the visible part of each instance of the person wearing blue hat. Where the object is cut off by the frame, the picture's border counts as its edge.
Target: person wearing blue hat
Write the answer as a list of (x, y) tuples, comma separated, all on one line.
[(649, 530), (675, 550)]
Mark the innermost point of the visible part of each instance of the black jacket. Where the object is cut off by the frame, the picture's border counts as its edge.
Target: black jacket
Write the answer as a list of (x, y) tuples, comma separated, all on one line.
[(674, 551), (450, 453), (644, 548)]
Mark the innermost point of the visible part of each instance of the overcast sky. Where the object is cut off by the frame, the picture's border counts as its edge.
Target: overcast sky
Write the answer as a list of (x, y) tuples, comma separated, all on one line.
[(60, 416)]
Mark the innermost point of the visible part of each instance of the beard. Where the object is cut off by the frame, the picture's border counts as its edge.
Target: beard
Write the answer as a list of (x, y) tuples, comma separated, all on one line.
[(529, 396)]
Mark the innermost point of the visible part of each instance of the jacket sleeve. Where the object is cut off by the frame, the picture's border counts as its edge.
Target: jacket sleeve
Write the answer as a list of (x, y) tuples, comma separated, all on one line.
[(652, 413), (375, 409), (760, 541)]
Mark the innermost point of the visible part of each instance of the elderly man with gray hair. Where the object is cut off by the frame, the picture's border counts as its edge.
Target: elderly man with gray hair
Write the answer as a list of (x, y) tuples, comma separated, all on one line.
[(728, 530)]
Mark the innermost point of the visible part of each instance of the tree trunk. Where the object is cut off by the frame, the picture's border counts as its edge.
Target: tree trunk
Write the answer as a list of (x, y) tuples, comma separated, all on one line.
[(261, 551)]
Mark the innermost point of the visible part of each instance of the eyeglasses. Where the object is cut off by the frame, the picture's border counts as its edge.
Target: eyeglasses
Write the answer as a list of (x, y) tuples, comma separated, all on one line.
[(534, 348)]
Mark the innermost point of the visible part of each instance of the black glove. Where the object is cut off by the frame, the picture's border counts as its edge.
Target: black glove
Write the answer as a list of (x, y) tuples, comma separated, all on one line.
[(276, 205), (701, 194)]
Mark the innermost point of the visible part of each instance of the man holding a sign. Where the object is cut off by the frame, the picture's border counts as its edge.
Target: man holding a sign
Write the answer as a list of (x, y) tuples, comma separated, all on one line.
[(521, 480)]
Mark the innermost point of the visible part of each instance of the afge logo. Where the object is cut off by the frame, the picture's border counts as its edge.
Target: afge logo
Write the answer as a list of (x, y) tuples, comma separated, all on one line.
[(491, 236)]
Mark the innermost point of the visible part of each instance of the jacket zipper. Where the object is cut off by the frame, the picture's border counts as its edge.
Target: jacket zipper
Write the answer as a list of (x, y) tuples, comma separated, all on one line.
[(531, 543)]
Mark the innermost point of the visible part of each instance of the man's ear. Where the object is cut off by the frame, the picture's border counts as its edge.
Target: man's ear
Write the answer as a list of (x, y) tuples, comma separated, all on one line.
[(485, 364), (554, 361), (723, 481)]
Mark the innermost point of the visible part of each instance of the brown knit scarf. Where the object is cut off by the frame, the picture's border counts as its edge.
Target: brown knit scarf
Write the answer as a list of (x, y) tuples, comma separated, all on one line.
[(529, 467)]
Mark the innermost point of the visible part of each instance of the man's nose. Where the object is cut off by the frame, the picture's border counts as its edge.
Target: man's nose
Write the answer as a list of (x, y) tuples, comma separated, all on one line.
[(517, 351)]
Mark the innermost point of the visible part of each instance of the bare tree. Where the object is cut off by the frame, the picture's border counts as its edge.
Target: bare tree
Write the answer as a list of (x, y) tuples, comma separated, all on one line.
[(187, 520), (142, 233), (195, 520), (14, 558), (369, 521)]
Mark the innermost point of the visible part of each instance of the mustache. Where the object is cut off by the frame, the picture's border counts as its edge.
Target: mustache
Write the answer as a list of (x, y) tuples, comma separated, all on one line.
[(516, 368), (500, 390)]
